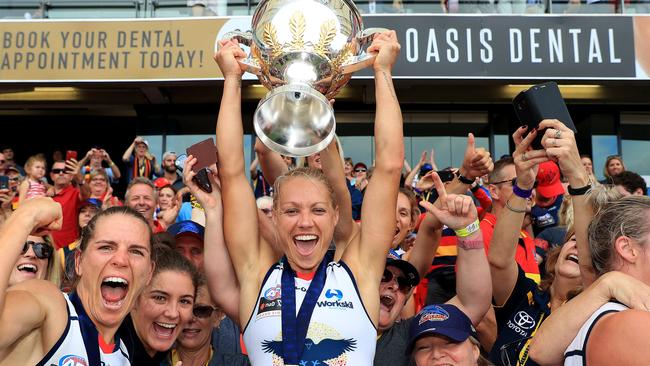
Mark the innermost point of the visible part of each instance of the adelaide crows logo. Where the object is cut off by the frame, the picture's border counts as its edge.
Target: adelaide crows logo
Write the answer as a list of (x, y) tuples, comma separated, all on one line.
[(322, 348)]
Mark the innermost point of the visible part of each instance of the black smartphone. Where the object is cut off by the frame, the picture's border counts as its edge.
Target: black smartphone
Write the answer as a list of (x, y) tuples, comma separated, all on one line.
[(205, 153), (540, 102), (4, 182)]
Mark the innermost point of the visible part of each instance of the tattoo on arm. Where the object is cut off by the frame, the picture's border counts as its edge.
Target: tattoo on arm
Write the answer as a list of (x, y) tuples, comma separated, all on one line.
[(470, 244), (389, 84)]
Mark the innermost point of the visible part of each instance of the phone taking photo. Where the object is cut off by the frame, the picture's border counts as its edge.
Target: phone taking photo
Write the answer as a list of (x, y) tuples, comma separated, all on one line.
[(4, 182), (71, 154), (205, 153), (540, 102)]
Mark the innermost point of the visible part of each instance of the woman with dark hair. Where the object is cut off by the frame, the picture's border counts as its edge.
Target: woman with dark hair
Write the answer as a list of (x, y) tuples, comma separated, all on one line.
[(39, 324), (162, 310)]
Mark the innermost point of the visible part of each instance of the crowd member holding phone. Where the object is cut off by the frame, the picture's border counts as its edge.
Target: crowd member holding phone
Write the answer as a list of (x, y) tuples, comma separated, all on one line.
[(94, 158), (70, 192)]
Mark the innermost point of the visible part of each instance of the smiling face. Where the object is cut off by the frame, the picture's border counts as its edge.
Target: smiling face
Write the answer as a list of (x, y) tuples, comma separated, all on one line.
[(614, 167), (589, 166), (165, 198), (404, 219), (163, 310), (567, 263), (142, 198), (305, 218), (114, 267), (98, 185), (29, 266), (348, 169), (391, 299), (436, 350), (198, 331)]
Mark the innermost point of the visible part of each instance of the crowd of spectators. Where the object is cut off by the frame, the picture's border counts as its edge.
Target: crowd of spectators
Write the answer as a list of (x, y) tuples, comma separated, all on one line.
[(524, 260)]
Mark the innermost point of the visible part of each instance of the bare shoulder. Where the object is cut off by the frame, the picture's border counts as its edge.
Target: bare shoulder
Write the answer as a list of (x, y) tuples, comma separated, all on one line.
[(39, 293), (620, 338)]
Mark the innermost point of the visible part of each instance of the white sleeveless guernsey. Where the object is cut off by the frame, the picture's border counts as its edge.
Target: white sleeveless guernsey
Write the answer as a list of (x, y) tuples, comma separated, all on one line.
[(575, 353), (69, 350), (340, 331)]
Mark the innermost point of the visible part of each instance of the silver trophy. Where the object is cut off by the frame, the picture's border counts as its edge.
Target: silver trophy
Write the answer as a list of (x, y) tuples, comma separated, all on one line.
[(304, 52)]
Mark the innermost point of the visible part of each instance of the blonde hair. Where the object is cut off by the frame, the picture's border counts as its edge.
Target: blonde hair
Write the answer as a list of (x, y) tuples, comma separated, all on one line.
[(53, 272), (38, 158), (306, 173)]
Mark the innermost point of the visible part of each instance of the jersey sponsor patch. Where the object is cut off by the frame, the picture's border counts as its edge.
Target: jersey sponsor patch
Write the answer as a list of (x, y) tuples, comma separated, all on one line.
[(270, 303)]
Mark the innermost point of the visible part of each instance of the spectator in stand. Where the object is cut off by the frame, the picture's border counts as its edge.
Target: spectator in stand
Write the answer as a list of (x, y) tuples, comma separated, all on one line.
[(260, 186), (70, 196), (630, 183), (162, 310), (349, 170), (613, 165), (94, 158), (139, 161), (520, 304), (361, 176), (549, 195), (170, 171), (188, 237), (101, 190), (6, 198), (589, 166), (34, 184), (141, 196), (201, 8), (168, 206), (9, 156)]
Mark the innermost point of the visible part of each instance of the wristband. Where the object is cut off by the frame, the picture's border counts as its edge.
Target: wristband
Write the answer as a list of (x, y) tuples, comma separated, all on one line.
[(468, 230), (520, 192), (464, 179), (579, 191)]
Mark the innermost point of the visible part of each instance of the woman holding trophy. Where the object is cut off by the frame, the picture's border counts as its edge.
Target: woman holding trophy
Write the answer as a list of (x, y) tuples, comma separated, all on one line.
[(308, 308)]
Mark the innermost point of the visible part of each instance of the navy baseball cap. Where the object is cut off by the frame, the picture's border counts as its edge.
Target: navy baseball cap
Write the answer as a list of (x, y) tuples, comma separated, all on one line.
[(441, 319), (187, 227), (426, 168)]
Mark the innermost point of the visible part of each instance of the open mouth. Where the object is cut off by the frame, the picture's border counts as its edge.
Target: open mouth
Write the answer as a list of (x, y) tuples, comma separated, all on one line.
[(305, 243), (191, 332), (164, 330), (573, 258), (386, 302), (28, 267), (114, 290)]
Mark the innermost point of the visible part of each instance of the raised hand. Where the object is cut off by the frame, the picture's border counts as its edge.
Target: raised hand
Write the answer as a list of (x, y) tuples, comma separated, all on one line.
[(207, 200), (227, 55), (526, 159), (387, 48), (477, 161), (46, 214), (560, 144), (455, 211)]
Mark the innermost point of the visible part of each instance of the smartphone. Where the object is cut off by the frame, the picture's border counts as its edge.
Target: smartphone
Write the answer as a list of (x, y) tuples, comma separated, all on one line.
[(4, 182), (71, 154), (205, 153), (540, 102)]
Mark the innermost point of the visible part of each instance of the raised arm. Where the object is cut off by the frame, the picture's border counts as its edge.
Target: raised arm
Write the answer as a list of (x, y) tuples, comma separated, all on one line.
[(241, 229), (333, 170), (111, 164), (556, 332), (378, 210), (271, 162), (222, 281), (22, 308), (560, 144), (408, 181), (129, 150), (503, 245)]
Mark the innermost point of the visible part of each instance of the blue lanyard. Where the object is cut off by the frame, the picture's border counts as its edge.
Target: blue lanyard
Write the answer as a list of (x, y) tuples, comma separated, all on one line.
[(88, 332), (294, 329)]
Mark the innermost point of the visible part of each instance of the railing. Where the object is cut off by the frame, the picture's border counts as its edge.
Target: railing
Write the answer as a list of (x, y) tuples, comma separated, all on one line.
[(75, 9)]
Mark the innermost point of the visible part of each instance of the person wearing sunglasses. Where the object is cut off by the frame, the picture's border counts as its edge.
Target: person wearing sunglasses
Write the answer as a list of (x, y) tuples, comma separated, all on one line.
[(37, 260), (70, 196), (203, 341)]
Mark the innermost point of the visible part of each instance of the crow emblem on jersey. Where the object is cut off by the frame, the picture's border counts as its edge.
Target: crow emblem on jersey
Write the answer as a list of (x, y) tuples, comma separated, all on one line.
[(315, 354)]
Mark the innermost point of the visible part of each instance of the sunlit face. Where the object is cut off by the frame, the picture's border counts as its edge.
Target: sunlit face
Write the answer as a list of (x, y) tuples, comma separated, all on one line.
[(348, 169), (166, 198), (60, 178), (163, 310), (305, 218), (142, 199), (98, 185), (197, 333), (614, 167), (360, 173), (169, 163), (114, 268), (140, 149), (391, 299), (86, 214), (589, 166), (313, 161), (37, 170), (29, 266), (436, 350), (567, 263), (191, 247), (404, 222)]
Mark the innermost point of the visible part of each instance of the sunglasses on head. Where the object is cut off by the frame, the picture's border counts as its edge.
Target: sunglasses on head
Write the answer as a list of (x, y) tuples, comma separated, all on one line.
[(58, 171), (512, 182), (203, 311), (41, 250), (403, 282)]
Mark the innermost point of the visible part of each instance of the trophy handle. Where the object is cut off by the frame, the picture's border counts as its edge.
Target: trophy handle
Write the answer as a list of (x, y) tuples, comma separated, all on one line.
[(246, 38), (365, 59)]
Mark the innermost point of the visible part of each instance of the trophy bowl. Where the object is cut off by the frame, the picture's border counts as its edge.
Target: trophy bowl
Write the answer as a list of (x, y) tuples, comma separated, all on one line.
[(304, 52)]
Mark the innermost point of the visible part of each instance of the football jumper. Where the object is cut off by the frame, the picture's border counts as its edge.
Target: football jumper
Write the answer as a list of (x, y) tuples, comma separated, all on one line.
[(340, 331)]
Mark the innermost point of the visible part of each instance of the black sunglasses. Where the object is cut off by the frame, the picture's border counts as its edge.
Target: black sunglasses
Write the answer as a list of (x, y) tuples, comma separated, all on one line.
[(512, 182), (359, 170), (58, 171), (41, 250), (403, 282), (203, 311)]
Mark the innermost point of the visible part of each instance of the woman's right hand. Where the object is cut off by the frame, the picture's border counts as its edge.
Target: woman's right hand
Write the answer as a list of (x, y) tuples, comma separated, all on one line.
[(456, 211), (560, 144), (45, 214), (227, 55), (526, 159), (626, 289), (207, 200)]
